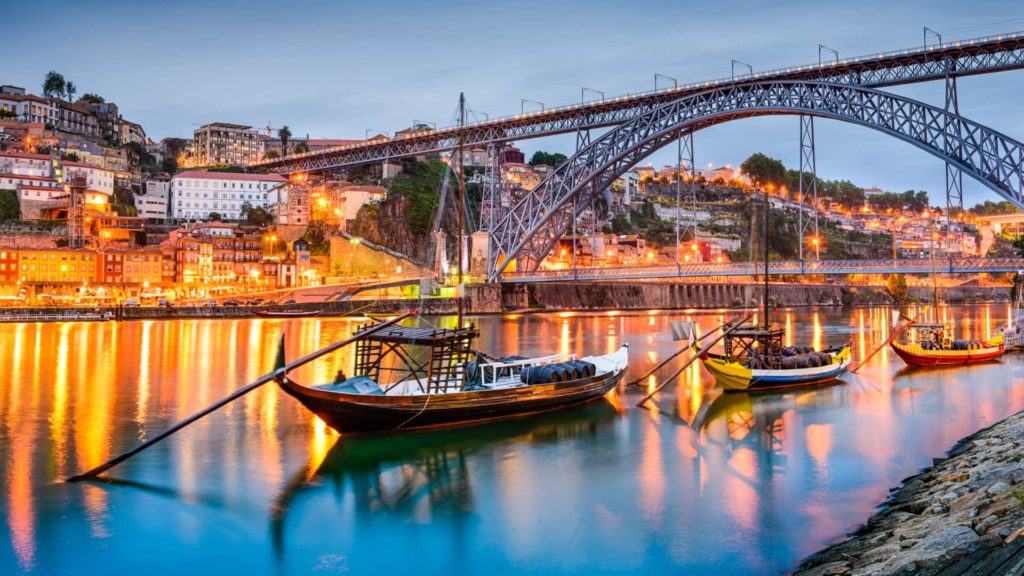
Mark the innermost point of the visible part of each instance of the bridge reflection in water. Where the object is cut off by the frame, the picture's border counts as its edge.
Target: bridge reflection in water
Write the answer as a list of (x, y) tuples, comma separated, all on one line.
[(702, 482)]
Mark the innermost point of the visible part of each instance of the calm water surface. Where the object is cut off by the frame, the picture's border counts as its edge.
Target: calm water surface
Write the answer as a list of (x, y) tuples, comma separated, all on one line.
[(705, 483)]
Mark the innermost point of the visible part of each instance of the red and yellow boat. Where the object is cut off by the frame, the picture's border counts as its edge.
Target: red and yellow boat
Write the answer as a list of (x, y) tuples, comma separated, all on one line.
[(933, 345)]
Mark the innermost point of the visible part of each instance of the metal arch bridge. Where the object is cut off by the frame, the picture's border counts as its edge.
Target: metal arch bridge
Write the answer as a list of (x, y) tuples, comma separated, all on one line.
[(530, 228), (934, 62), (775, 268)]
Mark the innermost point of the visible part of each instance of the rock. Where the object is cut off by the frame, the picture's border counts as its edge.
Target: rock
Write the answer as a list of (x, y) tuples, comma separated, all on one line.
[(941, 545), (998, 488), (829, 569), (985, 523), (938, 509), (909, 543)]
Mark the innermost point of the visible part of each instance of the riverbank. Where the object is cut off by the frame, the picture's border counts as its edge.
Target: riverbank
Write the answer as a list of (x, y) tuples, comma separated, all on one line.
[(567, 296), (963, 515)]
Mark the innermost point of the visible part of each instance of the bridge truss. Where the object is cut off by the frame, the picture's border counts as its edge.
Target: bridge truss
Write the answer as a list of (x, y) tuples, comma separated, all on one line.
[(934, 62), (534, 224)]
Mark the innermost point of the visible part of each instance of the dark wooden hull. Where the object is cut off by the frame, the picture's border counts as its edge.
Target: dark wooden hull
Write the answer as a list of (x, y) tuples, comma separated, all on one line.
[(286, 314), (369, 413)]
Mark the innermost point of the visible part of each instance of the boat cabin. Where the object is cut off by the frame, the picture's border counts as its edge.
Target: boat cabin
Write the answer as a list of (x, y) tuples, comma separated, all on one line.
[(746, 342), (929, 335), (433, 359)]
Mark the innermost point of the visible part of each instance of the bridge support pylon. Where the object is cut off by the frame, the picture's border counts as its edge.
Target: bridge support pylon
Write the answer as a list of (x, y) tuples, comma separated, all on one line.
[(808, 184)]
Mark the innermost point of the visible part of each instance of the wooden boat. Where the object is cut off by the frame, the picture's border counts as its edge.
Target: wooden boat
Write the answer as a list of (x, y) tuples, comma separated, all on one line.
[(744, 367), (755, 359), (933, 345), (410, 378), (286, 313)]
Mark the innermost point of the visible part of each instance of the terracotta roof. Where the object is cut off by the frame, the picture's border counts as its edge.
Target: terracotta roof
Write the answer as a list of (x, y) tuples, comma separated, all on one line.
[(27, 177), (231, 176), (25, 155)]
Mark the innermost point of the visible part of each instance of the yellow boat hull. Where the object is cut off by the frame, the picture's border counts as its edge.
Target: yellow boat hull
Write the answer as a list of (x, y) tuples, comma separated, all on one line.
[(735, 376)]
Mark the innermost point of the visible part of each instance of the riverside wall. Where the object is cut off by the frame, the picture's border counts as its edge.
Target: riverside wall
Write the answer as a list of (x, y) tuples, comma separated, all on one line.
[(555, 296)]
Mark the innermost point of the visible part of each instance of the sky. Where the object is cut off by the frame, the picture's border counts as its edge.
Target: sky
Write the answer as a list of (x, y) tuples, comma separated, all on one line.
[(336, 69)]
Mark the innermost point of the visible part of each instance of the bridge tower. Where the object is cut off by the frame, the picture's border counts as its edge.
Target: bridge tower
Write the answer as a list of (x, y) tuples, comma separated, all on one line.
[(686, 156), (808, 183), (954, 177)]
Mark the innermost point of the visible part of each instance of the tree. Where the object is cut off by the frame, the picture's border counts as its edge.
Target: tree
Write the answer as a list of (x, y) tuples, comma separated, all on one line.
[(54, 85), (258, 216), (10, 208), (70, 157), (555, 159), (897, 286), (216, 216), (272, 155), (92, 98), (302, 148), (764, 170), (70, 90), (285, 134), (170, 164)]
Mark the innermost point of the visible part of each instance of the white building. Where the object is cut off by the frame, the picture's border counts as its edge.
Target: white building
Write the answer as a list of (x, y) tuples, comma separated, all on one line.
[(195, 194), (153, 203), (97, 179), (38, 177)]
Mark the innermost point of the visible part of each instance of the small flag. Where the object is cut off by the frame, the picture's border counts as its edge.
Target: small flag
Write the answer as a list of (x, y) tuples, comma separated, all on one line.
[(682, 330)]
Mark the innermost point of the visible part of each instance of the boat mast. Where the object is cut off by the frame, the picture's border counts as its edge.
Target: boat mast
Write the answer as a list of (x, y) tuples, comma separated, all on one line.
[(935, 274), (462, 199), (767, 323)]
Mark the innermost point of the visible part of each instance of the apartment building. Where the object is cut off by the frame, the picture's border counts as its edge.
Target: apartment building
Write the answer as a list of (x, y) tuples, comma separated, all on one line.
[(223, 143)]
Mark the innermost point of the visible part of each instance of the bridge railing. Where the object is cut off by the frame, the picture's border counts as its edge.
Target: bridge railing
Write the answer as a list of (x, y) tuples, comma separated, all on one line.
[(776, 268)]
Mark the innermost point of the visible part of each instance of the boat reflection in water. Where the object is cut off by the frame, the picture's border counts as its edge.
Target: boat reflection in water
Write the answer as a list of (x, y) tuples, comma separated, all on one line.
[(415, 476)]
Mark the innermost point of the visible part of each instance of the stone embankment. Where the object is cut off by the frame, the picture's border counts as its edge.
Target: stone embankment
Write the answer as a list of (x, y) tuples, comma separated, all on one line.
[(963, 515)]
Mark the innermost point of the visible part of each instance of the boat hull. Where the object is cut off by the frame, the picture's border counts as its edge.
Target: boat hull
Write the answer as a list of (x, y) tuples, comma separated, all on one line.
[(917, 356), (297, 314), (374, 413), (733, 376)]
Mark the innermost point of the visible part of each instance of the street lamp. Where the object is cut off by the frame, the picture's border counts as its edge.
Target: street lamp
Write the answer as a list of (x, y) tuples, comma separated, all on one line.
[(523, 102), (675, 83), (583, 92), (817, 248)]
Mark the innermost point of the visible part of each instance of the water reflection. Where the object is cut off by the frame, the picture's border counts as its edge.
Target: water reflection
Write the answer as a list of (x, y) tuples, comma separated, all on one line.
[(701, 482)]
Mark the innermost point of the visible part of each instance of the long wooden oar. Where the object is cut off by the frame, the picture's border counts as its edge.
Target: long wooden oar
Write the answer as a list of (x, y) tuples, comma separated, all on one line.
[(895, 333), (680, 351), (280, 370), (692, 359)]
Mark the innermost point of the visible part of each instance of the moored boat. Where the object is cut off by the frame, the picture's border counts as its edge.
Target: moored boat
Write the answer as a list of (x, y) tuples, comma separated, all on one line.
[(286, 313), (933, 345), (743, 365), (409, 378)]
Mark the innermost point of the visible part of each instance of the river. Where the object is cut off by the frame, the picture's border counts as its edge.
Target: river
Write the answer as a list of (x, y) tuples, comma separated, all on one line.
[(702, 483)]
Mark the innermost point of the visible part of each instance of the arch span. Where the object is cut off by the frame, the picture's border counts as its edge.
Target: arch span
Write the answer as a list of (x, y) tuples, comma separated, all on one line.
[(532, 226)]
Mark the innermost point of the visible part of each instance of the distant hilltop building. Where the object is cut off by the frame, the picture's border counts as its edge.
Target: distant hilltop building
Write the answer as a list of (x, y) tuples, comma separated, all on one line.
[(86, 118), (223, 143)]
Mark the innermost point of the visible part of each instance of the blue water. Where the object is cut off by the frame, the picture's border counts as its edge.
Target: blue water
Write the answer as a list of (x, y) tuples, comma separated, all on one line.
[(702, 483)]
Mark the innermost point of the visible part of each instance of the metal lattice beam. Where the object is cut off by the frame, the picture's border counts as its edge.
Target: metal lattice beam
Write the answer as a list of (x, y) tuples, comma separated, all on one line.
[(808, 182), (775, 267), (533, 225), (934, 62)]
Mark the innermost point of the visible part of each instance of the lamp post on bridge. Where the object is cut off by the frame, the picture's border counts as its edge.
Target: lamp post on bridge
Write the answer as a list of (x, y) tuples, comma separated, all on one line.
[(583, 92), (823, 47), (524, 101), (675, 83), (924, 35), (749, 68)]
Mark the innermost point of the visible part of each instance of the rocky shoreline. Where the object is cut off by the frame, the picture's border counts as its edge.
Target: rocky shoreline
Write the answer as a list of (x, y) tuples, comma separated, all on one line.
[(962, 515)]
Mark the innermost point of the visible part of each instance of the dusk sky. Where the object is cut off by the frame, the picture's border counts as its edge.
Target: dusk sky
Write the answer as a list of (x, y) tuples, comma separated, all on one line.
[(335, 69)]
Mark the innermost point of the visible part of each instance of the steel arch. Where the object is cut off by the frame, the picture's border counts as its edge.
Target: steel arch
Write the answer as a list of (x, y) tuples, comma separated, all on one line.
[(531, 228)]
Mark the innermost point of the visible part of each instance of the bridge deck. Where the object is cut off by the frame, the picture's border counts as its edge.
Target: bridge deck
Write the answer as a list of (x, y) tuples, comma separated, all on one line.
[(775, 268)]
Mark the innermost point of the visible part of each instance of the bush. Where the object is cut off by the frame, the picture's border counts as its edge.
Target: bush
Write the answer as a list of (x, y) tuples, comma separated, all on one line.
[(10, 208)]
